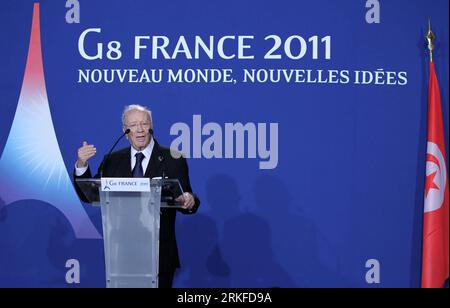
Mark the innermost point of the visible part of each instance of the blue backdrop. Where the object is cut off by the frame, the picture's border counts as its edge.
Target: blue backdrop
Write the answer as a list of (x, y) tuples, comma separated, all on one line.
[(348, 183)]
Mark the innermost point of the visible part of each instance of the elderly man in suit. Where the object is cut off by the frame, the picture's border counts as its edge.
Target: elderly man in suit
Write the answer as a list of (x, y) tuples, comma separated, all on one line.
[(146, 158)]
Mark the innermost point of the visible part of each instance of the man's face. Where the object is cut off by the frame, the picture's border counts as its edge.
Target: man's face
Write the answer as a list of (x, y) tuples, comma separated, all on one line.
[(139, 123)]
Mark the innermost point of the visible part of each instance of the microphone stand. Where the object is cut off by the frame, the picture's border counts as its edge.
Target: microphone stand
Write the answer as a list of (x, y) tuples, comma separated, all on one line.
[(102, 167)]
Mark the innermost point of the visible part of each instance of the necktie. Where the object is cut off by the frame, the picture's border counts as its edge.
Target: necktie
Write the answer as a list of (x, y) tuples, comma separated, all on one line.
[(138, 172)]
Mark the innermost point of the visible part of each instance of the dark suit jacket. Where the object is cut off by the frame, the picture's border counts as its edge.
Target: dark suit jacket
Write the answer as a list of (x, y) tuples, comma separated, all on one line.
[(119, 165)]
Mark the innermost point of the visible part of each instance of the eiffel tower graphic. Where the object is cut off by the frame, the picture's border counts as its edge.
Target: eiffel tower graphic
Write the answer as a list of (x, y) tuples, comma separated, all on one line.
[(31, 166)]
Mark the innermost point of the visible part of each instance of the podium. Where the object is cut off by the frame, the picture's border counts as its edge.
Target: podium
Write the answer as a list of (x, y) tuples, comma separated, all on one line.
[(131, 222)]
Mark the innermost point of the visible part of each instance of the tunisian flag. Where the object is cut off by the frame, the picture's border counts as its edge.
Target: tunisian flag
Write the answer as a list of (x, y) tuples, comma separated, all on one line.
[(435, 262)]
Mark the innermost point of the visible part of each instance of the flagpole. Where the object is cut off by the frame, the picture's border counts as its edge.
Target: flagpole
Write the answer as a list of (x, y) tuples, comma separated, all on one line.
[(430, 39)]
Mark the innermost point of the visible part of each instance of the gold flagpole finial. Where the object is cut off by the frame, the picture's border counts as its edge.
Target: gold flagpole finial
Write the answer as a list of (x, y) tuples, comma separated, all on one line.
[(430, 39)]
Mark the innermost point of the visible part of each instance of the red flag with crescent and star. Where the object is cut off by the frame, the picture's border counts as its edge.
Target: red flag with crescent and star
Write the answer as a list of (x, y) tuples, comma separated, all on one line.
[(435, 262)]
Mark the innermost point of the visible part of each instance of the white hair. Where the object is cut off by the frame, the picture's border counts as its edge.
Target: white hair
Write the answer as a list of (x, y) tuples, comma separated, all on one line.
[(136, 107)]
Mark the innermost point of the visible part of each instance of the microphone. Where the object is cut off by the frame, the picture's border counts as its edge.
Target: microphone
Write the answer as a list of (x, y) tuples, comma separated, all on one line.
[(163, 166), (161, 158), (102, 167)]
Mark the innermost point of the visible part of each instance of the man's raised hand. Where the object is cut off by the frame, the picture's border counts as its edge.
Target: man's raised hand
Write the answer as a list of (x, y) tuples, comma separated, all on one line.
[(86, 152)]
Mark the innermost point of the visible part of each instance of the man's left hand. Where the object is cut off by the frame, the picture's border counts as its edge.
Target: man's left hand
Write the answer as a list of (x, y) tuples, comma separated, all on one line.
[(186, 201)]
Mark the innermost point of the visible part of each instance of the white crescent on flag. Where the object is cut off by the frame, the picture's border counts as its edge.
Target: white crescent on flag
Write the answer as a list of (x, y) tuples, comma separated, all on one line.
[(436, 178)]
